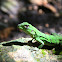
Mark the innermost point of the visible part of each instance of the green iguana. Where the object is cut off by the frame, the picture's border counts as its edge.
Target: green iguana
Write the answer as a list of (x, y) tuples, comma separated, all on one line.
[(39, 36)]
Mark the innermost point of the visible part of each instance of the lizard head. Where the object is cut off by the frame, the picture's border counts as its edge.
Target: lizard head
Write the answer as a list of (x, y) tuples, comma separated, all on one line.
[(23, 25), (26, 27)]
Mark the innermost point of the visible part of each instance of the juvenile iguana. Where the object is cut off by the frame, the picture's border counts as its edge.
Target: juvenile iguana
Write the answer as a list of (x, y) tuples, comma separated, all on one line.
[(39, 36)]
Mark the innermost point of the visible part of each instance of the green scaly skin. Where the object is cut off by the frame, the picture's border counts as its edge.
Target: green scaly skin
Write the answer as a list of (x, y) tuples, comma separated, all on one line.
[(39, 36)]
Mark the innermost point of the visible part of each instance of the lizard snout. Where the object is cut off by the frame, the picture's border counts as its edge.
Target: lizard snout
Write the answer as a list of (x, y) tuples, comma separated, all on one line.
[(19, 25)]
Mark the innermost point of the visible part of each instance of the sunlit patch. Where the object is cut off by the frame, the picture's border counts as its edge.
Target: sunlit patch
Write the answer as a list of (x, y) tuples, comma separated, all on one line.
[(20, 55)]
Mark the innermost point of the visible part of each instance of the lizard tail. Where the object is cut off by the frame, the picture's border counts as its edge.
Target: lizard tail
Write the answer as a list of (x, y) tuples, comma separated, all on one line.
[(60, 39), (60, 42)]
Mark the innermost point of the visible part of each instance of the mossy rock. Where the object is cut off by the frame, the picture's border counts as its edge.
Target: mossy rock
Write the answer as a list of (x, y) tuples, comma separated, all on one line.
[(25, 53), (16, 53)]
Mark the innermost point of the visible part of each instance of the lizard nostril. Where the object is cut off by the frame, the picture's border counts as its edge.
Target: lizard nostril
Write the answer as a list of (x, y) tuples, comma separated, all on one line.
[(18, 25)]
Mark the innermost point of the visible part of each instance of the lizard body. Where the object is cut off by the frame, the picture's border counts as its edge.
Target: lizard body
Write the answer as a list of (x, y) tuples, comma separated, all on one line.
[(39, 36)]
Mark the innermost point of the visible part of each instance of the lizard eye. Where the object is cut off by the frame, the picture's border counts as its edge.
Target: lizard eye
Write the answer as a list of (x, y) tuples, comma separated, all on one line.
[(26, 26)]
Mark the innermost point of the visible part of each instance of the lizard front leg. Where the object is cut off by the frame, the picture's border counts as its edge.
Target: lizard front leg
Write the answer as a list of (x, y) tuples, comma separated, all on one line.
[(40, 41)]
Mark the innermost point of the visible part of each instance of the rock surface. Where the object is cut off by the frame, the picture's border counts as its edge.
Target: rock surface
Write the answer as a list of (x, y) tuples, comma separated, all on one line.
[(16, 53)]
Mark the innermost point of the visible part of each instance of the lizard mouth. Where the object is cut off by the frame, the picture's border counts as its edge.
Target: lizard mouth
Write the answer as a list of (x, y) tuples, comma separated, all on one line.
[(19, 26)]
